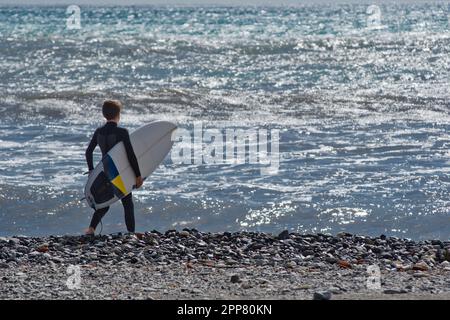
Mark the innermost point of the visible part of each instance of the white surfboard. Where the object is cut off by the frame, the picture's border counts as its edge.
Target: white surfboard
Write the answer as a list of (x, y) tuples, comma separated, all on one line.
[(113, 178)]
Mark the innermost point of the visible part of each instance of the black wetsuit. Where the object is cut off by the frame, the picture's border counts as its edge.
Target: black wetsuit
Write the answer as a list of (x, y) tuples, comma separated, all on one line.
[(107, 137)]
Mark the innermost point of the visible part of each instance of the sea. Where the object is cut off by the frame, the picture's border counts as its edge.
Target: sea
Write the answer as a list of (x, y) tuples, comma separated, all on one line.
[(356, 94)]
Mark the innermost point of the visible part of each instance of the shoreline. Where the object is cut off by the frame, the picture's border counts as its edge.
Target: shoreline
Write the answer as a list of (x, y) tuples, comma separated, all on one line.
[(190, 264)]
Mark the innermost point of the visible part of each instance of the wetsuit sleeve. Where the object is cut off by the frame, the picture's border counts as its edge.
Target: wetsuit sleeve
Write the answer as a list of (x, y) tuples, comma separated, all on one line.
[(90, 151), (130, 154)]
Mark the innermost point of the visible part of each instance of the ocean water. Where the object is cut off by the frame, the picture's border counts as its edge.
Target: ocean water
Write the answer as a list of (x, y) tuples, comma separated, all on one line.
[(360, 97)]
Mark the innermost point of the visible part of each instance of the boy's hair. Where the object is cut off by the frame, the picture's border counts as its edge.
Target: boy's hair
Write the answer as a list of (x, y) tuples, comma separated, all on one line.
[(111, 109)]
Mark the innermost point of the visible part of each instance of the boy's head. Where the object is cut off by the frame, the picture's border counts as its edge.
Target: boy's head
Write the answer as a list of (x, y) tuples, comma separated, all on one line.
[(111, 109)]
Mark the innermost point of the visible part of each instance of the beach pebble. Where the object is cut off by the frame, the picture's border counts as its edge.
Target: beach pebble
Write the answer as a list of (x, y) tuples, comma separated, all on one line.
[(322, 295), (246, 285), (335, 290), (421, 266), (235, 279), (445, 264), (14, 241), (331, 260), (184, 233), (344, 264), (291, 264), (395, 291), (34, 254), (420, 275), (284, 235), (43, 248)]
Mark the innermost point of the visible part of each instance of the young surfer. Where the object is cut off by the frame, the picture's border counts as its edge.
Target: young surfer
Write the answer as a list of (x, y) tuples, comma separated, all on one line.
[(107, 137)]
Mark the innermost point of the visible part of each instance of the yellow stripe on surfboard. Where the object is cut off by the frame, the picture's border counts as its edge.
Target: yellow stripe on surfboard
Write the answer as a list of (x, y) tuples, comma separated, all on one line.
[(117, 181)]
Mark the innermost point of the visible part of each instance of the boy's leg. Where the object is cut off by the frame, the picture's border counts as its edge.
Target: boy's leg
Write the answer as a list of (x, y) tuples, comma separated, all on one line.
[(128, 207), (98, 215)]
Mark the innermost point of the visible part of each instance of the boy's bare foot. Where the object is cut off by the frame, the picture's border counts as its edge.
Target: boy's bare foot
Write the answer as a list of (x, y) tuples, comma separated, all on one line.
[(89, 231)]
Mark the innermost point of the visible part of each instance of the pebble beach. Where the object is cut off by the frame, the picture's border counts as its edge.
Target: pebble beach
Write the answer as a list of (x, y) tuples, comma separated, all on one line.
[(190, 264)]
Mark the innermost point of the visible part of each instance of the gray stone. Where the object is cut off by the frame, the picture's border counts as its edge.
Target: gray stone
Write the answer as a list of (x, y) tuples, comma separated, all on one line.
[(235, 279), (395, 291), (322, 295), (246, 285), (283, 235)]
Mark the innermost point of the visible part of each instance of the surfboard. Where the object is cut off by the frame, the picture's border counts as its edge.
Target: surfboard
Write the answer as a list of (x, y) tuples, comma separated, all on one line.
[(113, 178)]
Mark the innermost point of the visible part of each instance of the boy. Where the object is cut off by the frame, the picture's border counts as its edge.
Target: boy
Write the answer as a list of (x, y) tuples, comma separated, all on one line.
[(107, 137)]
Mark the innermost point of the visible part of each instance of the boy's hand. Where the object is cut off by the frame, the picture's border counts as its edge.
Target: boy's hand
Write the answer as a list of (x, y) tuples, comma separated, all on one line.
[(139, 182)]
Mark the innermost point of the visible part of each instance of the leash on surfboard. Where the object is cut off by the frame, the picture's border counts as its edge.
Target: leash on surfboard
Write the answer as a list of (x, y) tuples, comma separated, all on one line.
[(84, 198)]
